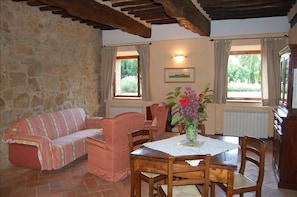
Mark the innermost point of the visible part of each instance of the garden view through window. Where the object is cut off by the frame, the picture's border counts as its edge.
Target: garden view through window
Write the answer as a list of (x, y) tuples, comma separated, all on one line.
[(244, 76), (127, 80)]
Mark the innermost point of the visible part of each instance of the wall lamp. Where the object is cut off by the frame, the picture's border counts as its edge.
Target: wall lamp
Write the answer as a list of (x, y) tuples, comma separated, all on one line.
[(179, 58)]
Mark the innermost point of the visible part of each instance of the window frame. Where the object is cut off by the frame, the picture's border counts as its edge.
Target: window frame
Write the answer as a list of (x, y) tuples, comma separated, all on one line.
[(138, 78), (243, 99)]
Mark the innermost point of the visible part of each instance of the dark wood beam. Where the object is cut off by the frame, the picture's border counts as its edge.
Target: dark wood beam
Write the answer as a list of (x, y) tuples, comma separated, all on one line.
[(102, 14), (34, 3), (187, 15), (48, 8), (140, 7)]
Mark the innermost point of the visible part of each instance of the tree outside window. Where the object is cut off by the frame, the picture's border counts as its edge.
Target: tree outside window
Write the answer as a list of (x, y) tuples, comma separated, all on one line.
[(127, 82), (244, 76)]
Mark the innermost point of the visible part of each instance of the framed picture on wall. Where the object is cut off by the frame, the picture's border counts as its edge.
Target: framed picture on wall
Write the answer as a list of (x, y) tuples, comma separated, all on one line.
[(173, 75)]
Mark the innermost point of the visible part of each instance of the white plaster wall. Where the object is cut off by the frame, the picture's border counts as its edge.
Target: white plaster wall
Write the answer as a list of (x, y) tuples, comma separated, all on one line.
[(168, 39), (249, 26), (219, 28)]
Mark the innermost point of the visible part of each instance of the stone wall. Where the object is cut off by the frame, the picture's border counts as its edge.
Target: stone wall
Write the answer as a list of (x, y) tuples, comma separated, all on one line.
[(47, 63)]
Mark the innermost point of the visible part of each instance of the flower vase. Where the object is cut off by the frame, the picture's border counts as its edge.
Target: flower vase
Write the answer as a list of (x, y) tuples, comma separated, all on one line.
[(191, 133)]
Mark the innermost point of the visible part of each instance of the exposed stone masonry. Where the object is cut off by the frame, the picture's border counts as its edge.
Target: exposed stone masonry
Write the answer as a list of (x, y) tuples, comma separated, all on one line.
[(47, 63)]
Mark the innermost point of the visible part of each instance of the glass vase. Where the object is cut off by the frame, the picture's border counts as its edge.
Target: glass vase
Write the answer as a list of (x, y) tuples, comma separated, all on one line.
[(191, 133)]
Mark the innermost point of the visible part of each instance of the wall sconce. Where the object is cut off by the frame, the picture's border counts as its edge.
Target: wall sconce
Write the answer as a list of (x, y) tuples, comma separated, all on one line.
[(179, 58)]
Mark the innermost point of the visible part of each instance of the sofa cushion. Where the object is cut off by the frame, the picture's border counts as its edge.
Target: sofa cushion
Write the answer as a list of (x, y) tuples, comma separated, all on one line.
[(53, 125), (68, 121), (68, 148)]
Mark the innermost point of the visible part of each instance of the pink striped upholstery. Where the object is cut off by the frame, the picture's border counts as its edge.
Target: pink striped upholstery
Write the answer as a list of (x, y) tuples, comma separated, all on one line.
[(59, 136), (53, 125), (68, 148), (94, 122), (109, 159)]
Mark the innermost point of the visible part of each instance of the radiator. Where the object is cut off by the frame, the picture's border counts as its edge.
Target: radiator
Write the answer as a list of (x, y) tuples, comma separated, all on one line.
[(253, 123), (118, 109)]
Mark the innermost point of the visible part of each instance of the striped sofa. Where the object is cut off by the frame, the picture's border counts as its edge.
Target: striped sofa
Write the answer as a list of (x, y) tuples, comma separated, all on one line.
[(52, 140)]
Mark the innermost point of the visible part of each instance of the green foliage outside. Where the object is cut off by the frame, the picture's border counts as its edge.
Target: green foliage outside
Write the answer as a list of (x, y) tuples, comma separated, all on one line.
[(239, 87), (244, 73), (129, 84), (128, 68), (129, 72)]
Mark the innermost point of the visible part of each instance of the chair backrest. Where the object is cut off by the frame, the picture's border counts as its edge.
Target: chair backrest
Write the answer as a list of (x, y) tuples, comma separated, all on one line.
[(116, 129), (253, 150), (115, 132), (138, 137), (178, 167), (159, 113), (201, 128)]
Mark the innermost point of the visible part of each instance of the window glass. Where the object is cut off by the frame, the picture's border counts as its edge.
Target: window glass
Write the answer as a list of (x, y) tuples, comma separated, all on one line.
[(244, 75), (127, 80)]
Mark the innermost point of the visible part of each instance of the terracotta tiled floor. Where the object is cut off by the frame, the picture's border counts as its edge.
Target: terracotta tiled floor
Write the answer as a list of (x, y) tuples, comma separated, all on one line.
[(76, 181)]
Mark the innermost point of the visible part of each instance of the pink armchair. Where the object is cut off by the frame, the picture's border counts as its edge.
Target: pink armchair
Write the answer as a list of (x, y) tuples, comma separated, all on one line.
[(108, 157), (159, 112)]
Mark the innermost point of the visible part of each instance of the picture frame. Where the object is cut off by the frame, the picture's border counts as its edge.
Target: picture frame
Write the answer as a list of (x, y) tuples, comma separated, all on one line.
[(174, 75)]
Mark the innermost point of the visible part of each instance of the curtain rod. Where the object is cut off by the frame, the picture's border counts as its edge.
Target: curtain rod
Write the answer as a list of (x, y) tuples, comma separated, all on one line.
[(125, 45), (249, 38)]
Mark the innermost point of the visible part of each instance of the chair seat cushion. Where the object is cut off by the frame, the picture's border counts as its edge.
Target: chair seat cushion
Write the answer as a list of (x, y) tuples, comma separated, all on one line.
[(182, 191), (241, 181), (150, 175)]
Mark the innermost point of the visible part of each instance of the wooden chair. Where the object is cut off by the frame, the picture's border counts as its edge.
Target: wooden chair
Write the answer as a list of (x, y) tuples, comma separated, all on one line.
[(252, 150), (201, 128), (178, 184), (136, 139)]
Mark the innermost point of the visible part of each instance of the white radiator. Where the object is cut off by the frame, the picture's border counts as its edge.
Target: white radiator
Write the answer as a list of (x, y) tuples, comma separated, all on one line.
[(118, 109), (253, 123)]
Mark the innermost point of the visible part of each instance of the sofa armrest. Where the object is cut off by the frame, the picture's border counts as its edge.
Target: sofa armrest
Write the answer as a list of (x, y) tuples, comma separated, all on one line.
[(150, 127), (93, 122), (42, 143), (12, 136), (98, 142), (148, 122)]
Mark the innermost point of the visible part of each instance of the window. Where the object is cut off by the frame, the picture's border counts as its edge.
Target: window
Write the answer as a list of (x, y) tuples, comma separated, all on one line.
[(127, 78), (244, 75)]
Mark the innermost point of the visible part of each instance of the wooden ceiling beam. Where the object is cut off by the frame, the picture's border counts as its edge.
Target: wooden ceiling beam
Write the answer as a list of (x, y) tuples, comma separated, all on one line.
[(187, 15), (48, 8), (161, 21), (102, 14), (140, 8), (239, 3), (34, 3), (122, 3)]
